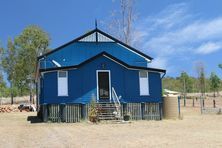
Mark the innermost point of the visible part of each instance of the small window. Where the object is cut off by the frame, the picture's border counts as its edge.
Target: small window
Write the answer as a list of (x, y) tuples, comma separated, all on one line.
[(62, 74), (143, 74), (144, 83), (62, 83)]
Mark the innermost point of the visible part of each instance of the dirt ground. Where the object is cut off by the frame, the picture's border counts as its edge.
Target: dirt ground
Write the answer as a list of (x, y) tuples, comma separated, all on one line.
[(194, 130)]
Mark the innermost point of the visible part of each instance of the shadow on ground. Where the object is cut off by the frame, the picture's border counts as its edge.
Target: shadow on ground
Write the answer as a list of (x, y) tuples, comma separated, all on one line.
[(34, 119)]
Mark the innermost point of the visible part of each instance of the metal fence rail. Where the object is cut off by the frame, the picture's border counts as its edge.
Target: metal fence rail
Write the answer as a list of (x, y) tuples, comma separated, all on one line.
[(54, 113), (151, 111), (73, 113), (134, 109)]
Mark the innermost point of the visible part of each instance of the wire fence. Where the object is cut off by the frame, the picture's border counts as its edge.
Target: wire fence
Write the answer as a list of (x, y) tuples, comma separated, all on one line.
[(207, 104)]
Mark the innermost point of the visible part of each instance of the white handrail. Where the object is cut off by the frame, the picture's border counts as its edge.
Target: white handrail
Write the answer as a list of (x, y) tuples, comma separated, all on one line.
[(115, 97), (116, 102)]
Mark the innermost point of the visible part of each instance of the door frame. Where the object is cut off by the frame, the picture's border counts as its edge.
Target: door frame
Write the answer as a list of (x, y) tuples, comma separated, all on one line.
[(97, 83)]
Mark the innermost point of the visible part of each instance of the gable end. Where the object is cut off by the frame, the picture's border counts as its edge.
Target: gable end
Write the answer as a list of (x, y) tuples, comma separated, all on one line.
[(97, 35)]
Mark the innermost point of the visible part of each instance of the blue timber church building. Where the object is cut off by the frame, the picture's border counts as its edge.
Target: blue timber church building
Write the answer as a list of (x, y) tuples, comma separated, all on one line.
[(97, 66)]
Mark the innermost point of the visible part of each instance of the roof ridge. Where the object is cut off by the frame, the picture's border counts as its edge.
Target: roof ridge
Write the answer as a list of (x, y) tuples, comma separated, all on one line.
[(103, 33)]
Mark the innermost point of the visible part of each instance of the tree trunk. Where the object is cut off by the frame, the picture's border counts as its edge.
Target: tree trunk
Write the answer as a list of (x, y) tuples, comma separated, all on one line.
[(11, 91), (30, 92)]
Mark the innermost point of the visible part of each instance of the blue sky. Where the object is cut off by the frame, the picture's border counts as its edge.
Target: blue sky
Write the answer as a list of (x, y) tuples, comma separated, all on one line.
[(177, 34)]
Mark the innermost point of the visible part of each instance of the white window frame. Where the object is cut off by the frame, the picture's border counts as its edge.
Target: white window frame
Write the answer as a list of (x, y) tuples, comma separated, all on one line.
[(97, 83), (147, 83), (67, 92)]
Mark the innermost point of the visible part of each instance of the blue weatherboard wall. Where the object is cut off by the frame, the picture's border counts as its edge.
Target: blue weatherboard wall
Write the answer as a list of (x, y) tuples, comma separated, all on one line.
[(78, 52), (82, 83)]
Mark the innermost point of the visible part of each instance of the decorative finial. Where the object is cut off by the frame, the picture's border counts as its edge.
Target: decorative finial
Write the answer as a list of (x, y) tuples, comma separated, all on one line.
[(96, 23)]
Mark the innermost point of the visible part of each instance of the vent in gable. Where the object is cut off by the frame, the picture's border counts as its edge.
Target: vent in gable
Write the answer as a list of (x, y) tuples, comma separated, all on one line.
[(92, 38)]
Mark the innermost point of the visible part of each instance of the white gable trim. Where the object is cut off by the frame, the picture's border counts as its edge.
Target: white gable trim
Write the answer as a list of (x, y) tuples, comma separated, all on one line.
[(103, 38), (100, 38)]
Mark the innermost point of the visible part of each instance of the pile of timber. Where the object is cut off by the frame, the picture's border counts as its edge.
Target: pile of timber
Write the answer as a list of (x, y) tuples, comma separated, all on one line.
[(8, 108)]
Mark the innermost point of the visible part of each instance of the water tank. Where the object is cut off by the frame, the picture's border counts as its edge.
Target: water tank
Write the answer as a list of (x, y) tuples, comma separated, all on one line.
[(170, 107)]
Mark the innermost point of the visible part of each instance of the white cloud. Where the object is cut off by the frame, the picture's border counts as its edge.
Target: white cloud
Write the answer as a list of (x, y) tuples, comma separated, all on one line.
[(166, 18), (160, 62), (174, 32), (209, 47), (184, 39)]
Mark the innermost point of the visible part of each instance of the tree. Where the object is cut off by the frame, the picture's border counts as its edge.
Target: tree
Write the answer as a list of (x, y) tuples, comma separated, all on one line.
[(2, 85), (186, 83), (122, 23), (171, 84), (30, 44), (214, 83), (220, 66), (8, 64), (201, 77)]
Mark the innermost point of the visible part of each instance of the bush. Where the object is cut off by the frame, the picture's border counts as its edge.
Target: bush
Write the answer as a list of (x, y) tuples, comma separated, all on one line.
[(93, 110)]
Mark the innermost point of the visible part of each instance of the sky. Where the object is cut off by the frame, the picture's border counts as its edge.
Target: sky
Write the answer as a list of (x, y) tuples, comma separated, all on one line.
[(177, 34)]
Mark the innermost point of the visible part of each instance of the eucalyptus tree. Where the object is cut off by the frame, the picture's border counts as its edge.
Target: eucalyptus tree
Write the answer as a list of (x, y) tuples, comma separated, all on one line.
[(201, 77), (122, 21), (30, 44), (214, 83), (8, 63)]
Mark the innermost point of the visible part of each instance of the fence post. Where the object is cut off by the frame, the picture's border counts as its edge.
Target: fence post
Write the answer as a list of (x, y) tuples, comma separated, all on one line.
[(124, 108), (40, 112), (203, 102), (63, 112), (214, 103), (193, 102), (179, 105), (45, 112), (142, 110), (83, 111), (201, 105), (184, 102), (161, 110)]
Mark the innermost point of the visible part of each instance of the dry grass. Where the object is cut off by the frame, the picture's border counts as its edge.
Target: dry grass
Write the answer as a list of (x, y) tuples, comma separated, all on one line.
[(194, 130)]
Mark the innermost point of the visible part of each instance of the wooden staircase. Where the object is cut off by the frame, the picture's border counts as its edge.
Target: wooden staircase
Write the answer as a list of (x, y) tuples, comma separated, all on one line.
[(108, 111)]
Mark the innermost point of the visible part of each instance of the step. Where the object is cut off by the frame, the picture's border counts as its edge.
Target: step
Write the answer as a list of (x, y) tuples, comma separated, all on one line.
[(105, 103), (110, 118), (107, 118), (106, 113), (106, 106), (112, 121), (107, 109)]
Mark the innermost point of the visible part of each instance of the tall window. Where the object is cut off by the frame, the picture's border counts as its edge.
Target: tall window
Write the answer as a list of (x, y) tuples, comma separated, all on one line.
[(62, 83), (144, 83)]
